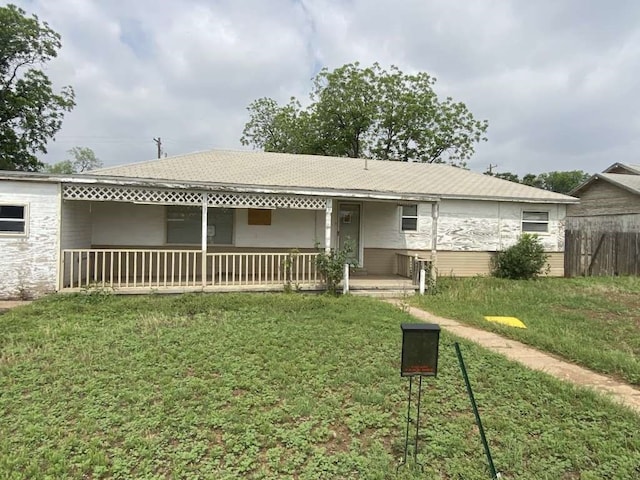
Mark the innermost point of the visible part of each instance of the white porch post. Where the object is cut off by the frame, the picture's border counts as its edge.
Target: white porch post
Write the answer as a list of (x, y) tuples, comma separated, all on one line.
[(435, 211), (203, 247), (327, 225)]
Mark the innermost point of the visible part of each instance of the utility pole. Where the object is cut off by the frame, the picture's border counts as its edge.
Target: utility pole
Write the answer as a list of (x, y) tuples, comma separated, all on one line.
[(490, 169), (159, 144)]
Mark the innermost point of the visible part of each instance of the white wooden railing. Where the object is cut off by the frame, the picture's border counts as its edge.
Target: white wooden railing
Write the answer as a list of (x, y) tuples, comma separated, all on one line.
[(409, 266), (137, 268), (262, 268)]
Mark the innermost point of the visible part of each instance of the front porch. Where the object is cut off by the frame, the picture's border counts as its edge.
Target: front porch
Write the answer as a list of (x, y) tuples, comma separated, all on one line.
[(130, 271)]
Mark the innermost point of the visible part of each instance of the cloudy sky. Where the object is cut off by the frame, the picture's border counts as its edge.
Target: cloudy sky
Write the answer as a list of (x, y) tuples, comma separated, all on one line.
[(556, 79)]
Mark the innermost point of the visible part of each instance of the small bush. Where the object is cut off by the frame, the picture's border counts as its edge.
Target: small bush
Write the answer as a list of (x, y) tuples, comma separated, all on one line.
[(522, 261), (331, 266)]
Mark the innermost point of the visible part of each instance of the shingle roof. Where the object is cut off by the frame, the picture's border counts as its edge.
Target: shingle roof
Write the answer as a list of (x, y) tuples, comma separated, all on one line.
[(624, 168), (628, 182), (331, 174)]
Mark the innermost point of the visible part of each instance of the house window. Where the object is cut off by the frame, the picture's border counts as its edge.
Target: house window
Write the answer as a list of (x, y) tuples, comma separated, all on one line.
[(535, 222), (184, 226), (409, 218), (13, 220)]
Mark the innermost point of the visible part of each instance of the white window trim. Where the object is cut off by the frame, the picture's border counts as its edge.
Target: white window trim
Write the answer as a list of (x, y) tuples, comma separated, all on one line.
[(402, 216), (25, 220), (547, 222)]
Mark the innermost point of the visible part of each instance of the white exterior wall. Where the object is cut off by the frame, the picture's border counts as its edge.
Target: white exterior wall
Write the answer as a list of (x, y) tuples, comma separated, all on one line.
[(76, 224), (463, 225), (466, 225), (127, 224), (382, 227), (29, 263), (288, 229)]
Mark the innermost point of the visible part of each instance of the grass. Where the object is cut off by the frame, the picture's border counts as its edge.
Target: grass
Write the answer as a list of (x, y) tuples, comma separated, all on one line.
[(594, 321), (275, 387)]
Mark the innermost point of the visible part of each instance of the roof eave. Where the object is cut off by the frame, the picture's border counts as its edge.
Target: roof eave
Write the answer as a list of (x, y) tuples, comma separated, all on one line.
[(567, 200)]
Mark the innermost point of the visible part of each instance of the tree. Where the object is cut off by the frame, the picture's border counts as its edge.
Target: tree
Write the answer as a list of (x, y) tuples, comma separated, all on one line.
[(512, 177), (371, 113), (30, 112), (65, 166), (83, 160), (563, 182), (559, 182)]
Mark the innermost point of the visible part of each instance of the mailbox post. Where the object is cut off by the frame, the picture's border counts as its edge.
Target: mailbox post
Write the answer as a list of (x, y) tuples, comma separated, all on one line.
[(420, 342)]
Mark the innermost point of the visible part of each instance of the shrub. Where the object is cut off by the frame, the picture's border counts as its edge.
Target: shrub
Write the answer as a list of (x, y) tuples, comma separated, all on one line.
[(522, 261), (331, 266)]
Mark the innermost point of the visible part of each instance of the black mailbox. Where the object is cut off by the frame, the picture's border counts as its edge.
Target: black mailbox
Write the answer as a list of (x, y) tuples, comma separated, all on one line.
[(420, 349)]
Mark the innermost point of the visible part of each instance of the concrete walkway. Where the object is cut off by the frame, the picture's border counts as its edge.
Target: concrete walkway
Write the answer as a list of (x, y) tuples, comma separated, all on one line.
[(537, 360)]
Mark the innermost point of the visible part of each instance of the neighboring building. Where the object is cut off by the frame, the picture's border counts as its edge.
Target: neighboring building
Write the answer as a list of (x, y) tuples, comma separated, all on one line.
[(231, 220), (602, 228), (610, 199)]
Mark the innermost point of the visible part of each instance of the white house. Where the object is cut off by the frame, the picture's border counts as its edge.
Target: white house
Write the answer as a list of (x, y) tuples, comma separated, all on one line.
[(237, 219)]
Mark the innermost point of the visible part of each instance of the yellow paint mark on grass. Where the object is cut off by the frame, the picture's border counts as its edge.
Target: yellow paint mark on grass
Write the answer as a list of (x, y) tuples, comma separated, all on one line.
[(510, 321)]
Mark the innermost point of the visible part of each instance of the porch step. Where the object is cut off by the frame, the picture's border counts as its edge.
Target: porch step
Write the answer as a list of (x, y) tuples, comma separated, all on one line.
[(358, 272), (383, 293)]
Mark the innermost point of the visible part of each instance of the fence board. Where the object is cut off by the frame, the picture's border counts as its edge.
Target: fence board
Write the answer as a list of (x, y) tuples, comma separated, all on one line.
[(595, 252)]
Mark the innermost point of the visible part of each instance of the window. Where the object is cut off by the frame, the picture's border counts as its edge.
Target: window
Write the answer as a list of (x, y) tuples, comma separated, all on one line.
[(184, 226), (13, 220), (409, 218), (535, 222)]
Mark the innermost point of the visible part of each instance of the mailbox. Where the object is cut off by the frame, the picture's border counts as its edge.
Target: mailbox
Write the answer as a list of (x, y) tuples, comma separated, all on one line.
[(420, 349)]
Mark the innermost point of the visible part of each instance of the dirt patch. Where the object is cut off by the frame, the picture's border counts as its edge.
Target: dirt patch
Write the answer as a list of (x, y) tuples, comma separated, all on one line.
[(6, 305)]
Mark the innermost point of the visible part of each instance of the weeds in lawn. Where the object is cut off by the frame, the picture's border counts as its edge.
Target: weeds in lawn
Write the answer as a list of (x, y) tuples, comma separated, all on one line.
[(270, 387), (591, 321)]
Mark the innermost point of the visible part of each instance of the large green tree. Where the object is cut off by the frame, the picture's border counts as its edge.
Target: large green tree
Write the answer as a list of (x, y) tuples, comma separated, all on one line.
[(31, 112), (368, 112), (556, 181), (83, 159)]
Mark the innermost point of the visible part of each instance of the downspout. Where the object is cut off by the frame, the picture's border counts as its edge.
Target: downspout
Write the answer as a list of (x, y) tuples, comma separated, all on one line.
[(327, 226), (60, 259), (435, 212), (203, 247)]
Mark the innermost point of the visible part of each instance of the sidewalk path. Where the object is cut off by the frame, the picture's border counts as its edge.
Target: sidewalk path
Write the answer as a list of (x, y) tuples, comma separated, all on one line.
[(537, 360)]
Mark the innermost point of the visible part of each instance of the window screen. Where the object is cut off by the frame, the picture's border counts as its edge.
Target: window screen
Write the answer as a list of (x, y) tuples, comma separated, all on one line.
[(409, 217), (535, 222), (12, 219)]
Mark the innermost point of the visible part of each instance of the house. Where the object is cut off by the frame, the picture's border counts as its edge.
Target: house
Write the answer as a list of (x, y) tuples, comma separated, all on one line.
[(602, 230), (241, 219)]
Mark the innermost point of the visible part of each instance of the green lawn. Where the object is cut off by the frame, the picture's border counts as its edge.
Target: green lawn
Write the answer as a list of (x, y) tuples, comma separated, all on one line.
[(591, 321), (275, 386)]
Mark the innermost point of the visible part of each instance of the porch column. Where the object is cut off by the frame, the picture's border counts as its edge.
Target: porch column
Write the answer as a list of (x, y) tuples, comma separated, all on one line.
[(327, 225), (203, 247)]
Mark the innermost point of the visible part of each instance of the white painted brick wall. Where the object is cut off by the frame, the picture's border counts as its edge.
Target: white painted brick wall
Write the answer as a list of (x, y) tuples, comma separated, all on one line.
[(29, 264)]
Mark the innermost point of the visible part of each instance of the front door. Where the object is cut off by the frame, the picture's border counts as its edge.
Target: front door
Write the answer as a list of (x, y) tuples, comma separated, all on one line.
[(349, 229)]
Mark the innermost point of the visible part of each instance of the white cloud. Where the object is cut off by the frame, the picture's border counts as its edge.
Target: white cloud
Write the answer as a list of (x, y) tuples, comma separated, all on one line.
[(556, 80)]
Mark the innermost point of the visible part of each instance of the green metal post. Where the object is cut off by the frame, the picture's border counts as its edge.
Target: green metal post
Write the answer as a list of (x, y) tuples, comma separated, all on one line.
[(487, 452)]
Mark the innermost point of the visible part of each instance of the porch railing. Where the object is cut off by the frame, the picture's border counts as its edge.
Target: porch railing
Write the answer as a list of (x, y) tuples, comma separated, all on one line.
[(409, 266), (138, 268)]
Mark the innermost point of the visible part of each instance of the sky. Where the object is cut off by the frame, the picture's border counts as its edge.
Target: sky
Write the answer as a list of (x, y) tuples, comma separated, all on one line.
[(556, 79)]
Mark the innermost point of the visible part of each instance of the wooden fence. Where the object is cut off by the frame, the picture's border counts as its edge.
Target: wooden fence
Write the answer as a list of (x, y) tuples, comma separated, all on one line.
[(591, 252)]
